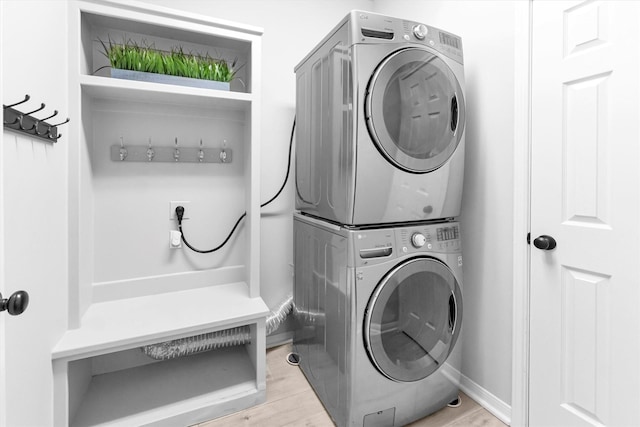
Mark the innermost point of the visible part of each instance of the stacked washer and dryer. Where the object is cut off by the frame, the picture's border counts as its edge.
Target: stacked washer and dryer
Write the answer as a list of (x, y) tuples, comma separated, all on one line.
[(378, 265)]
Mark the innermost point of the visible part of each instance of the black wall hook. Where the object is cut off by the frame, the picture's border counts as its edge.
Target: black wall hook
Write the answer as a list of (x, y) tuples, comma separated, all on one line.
[(26, 98), (55, 113), (62, 123), (36, 110), (26, 123)]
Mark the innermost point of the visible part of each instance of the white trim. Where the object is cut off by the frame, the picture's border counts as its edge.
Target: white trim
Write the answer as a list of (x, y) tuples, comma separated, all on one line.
[(482, 396), (130, 6), (521, 214), (152, 285), (3, 367)]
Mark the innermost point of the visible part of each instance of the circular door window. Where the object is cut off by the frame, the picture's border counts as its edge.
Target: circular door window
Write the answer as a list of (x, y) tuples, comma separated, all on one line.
[(413, 319), (414, 110)]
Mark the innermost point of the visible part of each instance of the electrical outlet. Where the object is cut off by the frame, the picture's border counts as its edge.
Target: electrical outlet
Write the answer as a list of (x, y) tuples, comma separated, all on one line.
[(174, 205)]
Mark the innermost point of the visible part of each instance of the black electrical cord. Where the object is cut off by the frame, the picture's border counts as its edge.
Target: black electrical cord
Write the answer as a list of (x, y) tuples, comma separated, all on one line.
[(180, 209)]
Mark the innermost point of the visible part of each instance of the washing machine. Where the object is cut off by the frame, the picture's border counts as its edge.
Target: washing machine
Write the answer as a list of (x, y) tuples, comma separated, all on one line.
[(378, 314), (380, 116)]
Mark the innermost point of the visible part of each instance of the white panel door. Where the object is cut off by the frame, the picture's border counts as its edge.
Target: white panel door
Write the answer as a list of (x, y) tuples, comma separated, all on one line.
[(585, 299), (33, 209)]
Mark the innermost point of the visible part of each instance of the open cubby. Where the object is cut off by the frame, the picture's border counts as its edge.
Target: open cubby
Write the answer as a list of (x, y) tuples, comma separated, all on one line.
[(194, 385), (127, 287)]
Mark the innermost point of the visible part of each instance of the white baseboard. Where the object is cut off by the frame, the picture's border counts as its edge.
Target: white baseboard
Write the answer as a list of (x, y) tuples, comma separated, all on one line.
[(487, 400), (279, 339)]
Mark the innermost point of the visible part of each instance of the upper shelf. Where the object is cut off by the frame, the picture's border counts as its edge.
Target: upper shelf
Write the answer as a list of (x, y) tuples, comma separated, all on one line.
[(139, 24), (132, 90), (130, 15)]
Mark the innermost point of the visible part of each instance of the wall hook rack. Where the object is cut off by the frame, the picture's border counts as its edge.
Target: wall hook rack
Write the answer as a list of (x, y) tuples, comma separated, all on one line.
[(26, 123), (122, 152)]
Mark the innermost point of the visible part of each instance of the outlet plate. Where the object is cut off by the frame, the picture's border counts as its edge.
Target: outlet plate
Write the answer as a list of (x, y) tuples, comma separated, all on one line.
[(174, 205), (175, 241)]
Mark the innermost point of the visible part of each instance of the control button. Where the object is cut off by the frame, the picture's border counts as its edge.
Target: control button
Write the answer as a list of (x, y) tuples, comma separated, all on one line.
[(406, 37), (420, 31), (418, 240)]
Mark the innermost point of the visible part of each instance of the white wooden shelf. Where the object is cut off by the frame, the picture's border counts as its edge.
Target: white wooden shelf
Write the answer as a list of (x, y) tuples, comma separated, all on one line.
[(130, 90), (120, 324), (221, 380), (100, 375)]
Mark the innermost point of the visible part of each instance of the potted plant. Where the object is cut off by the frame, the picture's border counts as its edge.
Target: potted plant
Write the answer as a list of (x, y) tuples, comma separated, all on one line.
[(129, 60)]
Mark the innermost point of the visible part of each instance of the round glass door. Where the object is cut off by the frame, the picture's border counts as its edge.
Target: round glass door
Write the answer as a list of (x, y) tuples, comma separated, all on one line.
[(413, 319), (414, 110)]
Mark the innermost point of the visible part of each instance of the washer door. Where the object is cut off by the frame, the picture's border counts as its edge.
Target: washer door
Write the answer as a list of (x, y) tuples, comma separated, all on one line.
[(414, 110), (413, 319)]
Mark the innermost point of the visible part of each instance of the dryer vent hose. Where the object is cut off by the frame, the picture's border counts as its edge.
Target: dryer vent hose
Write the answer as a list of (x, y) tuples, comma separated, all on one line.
[(219, 339)]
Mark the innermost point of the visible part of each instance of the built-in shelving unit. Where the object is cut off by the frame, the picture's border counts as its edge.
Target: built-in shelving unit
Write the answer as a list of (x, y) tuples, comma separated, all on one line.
[(127, 288)]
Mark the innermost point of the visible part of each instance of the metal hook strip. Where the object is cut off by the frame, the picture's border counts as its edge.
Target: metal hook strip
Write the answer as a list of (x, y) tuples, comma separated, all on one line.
[(15, 121), (40, 133), (22, 126), (26, 98)]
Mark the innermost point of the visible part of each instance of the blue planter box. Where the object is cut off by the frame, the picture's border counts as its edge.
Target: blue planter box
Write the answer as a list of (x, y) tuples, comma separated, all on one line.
[(166, 79)]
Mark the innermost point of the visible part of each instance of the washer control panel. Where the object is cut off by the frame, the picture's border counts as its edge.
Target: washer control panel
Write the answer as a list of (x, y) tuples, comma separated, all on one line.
[(429, 238), (379, 245)]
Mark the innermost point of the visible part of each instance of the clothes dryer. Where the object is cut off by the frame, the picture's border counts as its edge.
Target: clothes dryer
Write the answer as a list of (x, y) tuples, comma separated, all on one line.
[(380, 117), (378, 314)]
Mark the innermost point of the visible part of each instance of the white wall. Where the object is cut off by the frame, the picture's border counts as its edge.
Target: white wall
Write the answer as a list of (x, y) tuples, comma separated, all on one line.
[(33, 208), (291, 29), (487, 29)]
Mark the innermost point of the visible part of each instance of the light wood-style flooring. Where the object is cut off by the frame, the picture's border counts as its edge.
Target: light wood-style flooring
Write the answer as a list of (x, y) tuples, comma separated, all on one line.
[(292, 402)]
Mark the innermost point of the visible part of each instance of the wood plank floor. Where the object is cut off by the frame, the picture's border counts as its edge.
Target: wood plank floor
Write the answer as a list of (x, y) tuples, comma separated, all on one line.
[(292, 402)]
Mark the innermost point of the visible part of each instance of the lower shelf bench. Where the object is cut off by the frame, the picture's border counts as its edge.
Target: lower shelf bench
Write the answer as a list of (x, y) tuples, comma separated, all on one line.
[(102, 377)]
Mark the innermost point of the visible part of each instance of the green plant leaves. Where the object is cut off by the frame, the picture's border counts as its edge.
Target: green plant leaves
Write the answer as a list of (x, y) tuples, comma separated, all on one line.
[(130, 56)]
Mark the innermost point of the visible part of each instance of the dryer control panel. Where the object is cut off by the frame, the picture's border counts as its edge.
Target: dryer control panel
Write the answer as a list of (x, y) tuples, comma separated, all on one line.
[(372, 28)]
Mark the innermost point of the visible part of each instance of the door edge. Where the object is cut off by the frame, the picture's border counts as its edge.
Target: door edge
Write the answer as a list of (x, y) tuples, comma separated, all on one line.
[(3, 391), (521, 214)]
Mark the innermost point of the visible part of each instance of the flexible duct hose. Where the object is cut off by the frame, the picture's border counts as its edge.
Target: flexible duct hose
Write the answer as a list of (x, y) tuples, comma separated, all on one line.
[(218, 339)]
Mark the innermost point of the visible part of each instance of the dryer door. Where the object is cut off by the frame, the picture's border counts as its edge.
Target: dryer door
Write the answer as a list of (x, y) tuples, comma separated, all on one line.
[(413, 319), (414, 109)]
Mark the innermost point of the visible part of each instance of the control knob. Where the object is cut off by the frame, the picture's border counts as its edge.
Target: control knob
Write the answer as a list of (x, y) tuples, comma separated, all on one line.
[(418, 240), (420, 31)]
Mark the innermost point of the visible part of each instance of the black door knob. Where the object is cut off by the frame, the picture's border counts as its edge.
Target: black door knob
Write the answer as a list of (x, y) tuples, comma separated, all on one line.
[(544, 242), (16, 304)]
